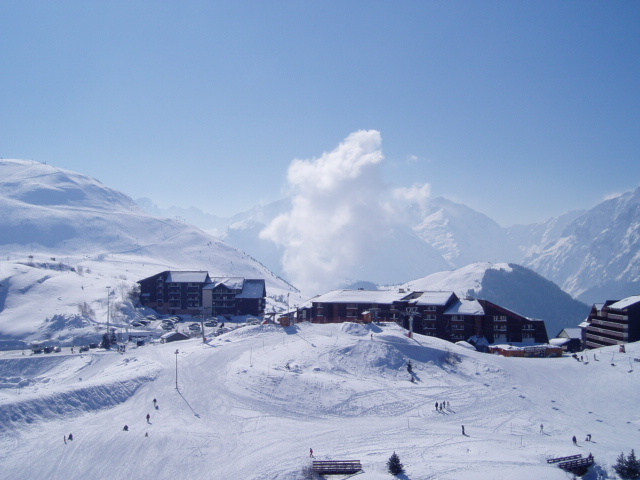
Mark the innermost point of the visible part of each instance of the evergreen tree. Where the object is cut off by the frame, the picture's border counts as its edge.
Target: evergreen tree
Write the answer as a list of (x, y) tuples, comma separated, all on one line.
[(628, 468), (106, 341), (393, 465)]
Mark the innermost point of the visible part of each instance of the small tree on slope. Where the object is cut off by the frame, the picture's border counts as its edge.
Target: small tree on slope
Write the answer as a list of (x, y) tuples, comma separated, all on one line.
[(393, 465), (628, 468)]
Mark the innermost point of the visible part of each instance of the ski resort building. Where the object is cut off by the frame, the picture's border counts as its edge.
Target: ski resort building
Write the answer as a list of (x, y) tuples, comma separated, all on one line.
[(613, 322), (196, 293), (439, 314)]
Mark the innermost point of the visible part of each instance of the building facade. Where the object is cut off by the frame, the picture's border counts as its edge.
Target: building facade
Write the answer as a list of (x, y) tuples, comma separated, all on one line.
[(196, 293), (614, 322), (439, 314)]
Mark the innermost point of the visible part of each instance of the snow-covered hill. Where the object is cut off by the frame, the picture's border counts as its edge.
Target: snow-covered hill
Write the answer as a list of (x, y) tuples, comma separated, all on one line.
[(597, 256), (65, 238), (251, 403), (512, 286)]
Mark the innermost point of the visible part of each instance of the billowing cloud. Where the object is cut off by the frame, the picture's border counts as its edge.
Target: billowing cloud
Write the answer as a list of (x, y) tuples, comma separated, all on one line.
[(340, 209), (416, 194)]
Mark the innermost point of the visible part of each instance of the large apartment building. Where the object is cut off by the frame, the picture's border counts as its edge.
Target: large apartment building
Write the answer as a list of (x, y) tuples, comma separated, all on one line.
[(196, 293), (438, 314), (613, 322)]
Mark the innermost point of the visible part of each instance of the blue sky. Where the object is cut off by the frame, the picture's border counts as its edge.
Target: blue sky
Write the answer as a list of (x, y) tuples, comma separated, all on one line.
[(521, 110)]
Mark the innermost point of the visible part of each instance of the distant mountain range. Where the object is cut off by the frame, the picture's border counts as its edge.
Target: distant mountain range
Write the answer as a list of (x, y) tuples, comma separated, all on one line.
[(65, 237), (591, 254)]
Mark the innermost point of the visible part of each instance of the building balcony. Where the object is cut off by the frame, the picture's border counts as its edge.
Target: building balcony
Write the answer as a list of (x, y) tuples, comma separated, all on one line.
[(616, 316), (602, 340), (605, 331), (604, 323)]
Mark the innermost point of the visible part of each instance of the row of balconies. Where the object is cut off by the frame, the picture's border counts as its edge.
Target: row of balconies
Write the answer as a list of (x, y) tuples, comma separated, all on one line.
[(616, 316), (605, 331), (605, 340), (604, 323)]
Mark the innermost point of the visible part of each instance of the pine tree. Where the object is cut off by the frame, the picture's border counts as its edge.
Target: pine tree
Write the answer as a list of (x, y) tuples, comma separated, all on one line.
[(628, 468), (393, 465)]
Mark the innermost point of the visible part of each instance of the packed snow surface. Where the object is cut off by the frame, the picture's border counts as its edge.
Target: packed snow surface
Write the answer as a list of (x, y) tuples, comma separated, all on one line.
[(252, 402)]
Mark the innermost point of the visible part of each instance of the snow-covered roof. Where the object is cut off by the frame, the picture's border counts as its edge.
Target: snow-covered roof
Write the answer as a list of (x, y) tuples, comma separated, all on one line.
[(361, 296), (558, 342), (584, 325), (232, 283), (187, 277), (253, 288), (574, 332), (434, 298), (465, 307), (625, 303)]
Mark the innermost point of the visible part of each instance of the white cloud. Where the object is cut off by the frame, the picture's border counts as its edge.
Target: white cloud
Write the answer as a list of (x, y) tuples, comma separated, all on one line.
[(611, 196), (340, 208), (416, 194)]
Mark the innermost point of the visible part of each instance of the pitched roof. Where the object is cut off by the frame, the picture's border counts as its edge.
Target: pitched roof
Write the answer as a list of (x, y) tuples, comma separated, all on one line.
[(232, 283), (252, 288), (465, 307), (625, 302), (187, 277), (434, 298), (361, 296)]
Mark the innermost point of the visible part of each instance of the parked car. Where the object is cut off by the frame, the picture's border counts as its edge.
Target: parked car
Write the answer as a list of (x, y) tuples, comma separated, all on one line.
[(253, 321), (136, 323), (84, 348), (210, 323), (195, 327), (167, 326)]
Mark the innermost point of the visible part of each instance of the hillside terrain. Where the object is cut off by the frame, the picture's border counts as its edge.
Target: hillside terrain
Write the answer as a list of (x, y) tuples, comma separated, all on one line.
[(251, 403), (66, 238), (511, 286)]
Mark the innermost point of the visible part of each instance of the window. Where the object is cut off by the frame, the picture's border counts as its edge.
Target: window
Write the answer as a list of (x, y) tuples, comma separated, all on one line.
[(499, 318), (430, 308)]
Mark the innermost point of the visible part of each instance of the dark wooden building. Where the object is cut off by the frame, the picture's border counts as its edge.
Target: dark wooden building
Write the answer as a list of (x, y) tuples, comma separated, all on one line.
[(174, 292), (196, 293), (440, 314), (614, 322), (228, 296)]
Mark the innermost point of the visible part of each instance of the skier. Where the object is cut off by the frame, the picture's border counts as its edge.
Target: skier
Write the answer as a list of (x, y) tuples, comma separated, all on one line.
[(126, 428), (154, 402), (65, 439), (575, 441), (541, 428), (71, 436), (148, 418), (588, 439), (463, 430), (311, 453), (146, 434), (436, 406)]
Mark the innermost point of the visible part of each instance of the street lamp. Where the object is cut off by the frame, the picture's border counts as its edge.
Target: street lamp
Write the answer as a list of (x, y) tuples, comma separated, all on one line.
[(108, 312), (177, 368)]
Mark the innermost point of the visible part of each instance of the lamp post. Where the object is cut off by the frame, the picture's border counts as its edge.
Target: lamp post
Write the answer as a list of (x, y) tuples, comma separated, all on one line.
[(108, 312), (177, 368)]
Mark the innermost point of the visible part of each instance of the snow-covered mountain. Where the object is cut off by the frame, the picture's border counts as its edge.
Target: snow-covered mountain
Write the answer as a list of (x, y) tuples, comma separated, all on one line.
[(251, 403), (65, 237), (511, 286), (464, 236), (597, 256)]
